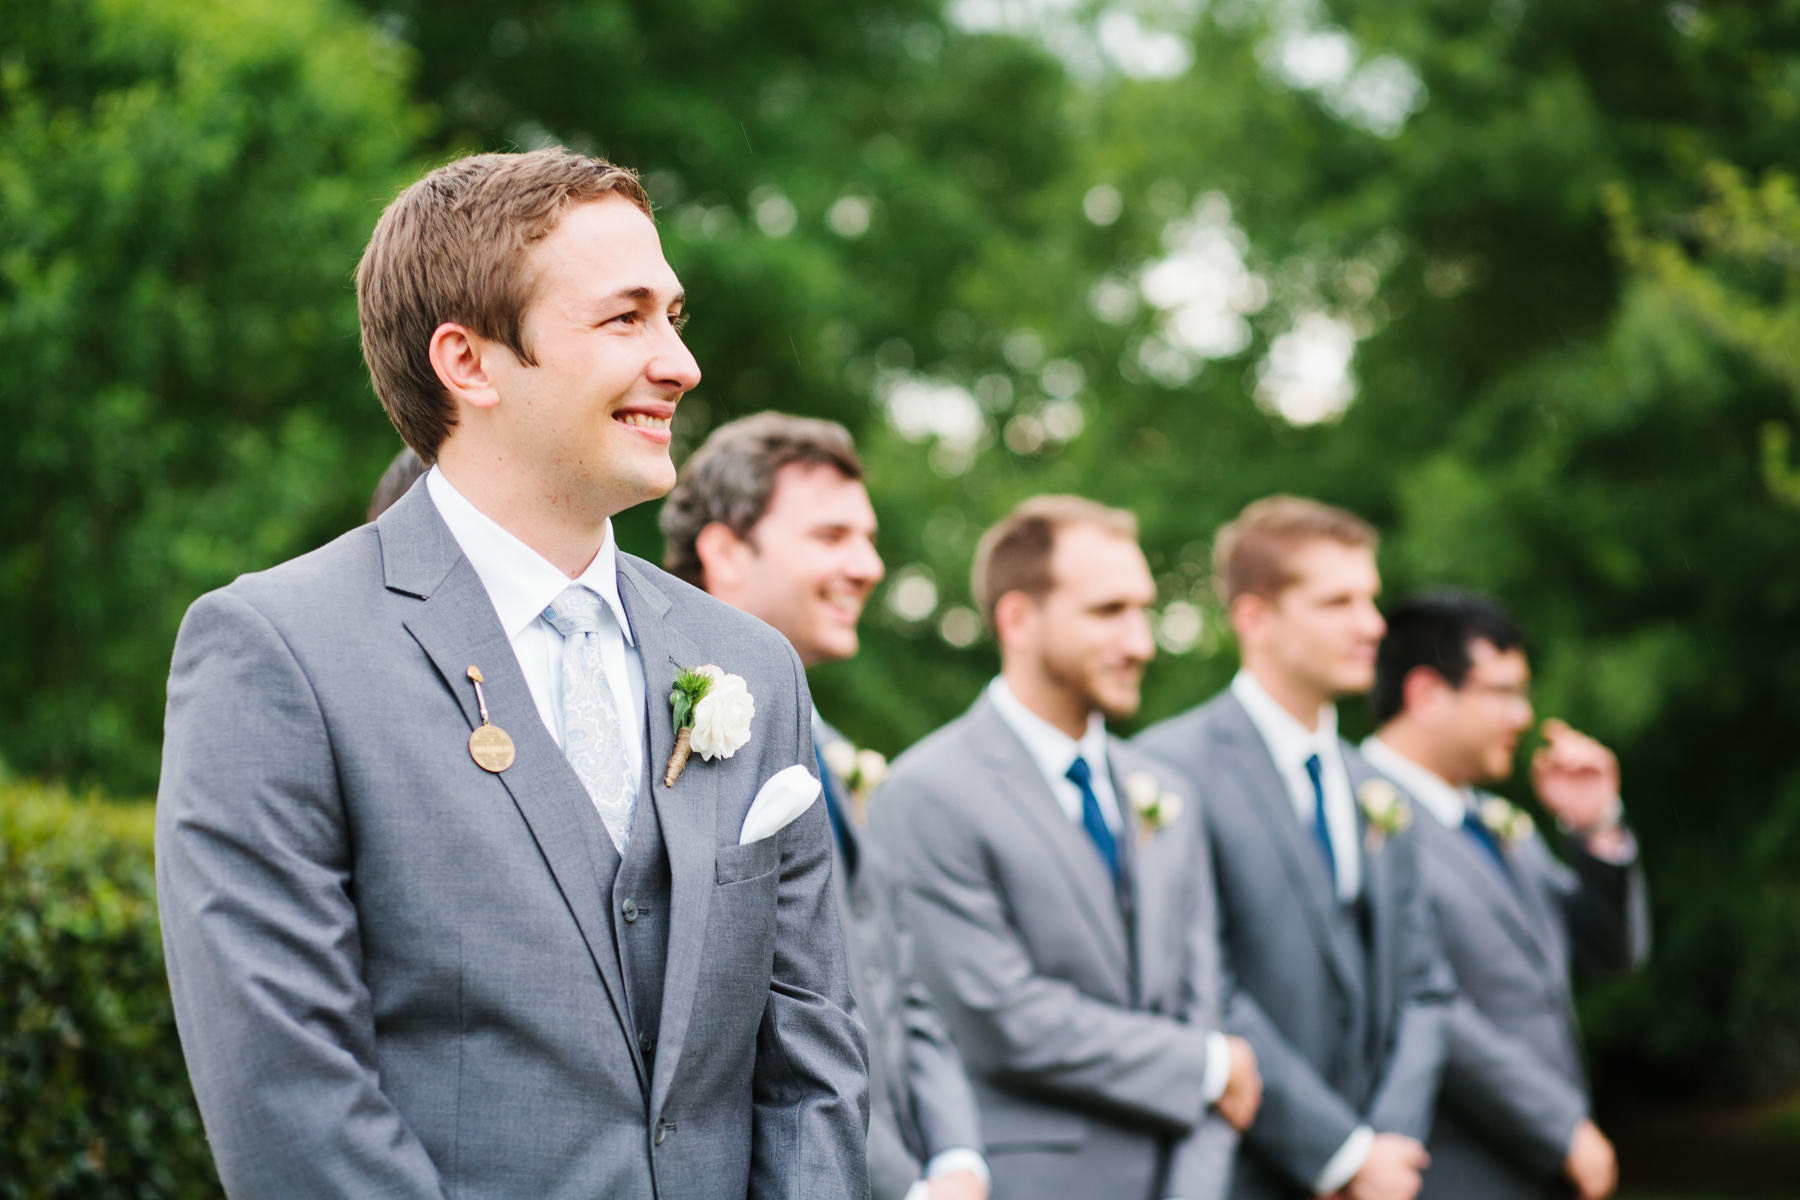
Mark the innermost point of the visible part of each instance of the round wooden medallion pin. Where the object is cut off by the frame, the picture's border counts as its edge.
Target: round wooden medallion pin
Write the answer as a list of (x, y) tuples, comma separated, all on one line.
[(489, 745)]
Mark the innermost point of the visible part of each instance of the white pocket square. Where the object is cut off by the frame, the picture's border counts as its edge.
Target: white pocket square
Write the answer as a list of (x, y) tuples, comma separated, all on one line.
[(788, 793)]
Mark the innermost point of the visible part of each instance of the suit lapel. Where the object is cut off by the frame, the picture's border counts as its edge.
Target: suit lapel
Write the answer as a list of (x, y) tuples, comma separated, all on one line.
[(457, 628), (1266, 795), (685, 812), (1153, 880), (1477, 872), (1016, 778)]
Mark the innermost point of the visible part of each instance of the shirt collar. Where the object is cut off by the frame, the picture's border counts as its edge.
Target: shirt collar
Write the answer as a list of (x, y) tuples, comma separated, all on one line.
[(1290, 743), (1439, 797), (520, 582), (1049, 747)]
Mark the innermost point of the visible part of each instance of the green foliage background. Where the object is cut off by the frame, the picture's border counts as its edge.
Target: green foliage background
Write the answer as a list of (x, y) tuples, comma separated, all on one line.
[(1570, 268)]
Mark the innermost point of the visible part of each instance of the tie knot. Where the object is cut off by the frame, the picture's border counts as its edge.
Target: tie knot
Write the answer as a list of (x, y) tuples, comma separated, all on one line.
[(577, 610), (1080, 774)]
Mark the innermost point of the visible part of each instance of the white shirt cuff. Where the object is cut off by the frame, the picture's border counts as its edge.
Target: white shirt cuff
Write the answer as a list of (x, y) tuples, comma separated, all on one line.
[(918, 1191), (1217, 1075), (957, 1158), (1344, 1165)]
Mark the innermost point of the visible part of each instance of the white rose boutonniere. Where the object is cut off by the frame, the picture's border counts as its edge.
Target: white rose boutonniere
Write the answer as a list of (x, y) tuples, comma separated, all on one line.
[(1506, 821), (1386, 809), (1156, 808), (861, 771), (712, 711)]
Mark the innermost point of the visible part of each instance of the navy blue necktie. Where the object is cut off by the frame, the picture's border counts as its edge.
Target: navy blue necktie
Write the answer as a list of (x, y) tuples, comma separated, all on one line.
[(1315, 771), (1476, 828), (1092, 819), (845, 845)]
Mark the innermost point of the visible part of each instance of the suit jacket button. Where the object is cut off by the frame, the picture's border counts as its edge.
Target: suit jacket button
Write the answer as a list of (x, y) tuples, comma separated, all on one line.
[(660, 1132), (630, 910)]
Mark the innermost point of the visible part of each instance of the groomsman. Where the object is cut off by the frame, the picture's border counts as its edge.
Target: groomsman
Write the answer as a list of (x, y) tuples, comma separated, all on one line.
[(1342, 990), (771, 516), (1061, 891), (1451, 697)]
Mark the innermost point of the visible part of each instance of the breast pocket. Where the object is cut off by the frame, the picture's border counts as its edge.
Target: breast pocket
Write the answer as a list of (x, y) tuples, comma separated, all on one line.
[(739, 864)]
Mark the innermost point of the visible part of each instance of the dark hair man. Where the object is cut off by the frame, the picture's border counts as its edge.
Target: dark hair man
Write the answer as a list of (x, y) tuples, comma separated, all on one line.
[(1341, 987), (1452, 699), (438, 919), (770, 515), (1063, 900)]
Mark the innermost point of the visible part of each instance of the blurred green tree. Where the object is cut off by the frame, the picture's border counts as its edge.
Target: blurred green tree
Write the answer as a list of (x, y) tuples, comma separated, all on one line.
[(185, 186)]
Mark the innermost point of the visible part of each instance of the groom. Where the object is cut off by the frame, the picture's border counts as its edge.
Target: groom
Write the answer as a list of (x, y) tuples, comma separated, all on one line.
[(437, 921)]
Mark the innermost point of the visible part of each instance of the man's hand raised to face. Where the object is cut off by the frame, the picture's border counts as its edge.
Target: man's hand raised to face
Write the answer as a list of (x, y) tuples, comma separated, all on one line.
[(1577, 779)]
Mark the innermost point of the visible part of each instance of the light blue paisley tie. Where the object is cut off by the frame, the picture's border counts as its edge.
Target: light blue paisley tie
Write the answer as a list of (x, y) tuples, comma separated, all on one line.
[(593, 738)]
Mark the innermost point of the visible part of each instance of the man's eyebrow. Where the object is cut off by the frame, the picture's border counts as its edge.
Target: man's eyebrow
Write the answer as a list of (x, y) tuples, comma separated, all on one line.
[(640, 295)]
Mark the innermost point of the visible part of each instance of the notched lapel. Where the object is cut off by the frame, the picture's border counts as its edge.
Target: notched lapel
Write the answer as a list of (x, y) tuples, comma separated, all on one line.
[(1263, 792), (1016, 777), (456, 627), (686, 812)]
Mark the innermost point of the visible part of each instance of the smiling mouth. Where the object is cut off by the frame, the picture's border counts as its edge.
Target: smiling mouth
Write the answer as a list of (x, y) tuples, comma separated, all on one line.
[(644, 420)]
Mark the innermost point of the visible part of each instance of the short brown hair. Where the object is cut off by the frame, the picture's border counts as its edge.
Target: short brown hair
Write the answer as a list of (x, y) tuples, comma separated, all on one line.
[(731, 478), (1014, 555), (452, 248), (1250, 554)]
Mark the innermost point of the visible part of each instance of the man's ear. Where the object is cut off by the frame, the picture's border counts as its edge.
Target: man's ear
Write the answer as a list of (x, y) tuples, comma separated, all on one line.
[(459, 356), (1248, 613), (1013, 613), (722, 554), (1421, 686)]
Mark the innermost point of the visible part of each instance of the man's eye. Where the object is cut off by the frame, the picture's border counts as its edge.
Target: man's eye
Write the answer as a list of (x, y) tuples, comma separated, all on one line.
[(624, 318)]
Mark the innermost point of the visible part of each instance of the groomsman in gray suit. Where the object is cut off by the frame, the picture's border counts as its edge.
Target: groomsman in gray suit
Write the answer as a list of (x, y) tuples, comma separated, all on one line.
[(771, 516), (1451, 696), (441, 916), (1341, 987), (1061, 892)]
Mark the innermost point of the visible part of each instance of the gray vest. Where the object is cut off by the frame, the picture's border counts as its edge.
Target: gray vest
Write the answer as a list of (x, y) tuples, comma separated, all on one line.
[(639, 889)]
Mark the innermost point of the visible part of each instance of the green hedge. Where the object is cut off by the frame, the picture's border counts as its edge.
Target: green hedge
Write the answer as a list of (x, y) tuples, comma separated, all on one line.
[(94, 1097)]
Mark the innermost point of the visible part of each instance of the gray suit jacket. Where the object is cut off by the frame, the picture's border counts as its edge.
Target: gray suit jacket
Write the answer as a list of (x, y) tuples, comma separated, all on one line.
[(396, 974), (1514, 1088), (920, 1101), (1083, 1020), (1345, 1008)]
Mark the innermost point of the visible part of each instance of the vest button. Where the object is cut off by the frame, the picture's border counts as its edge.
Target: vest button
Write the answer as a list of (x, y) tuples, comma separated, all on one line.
[(630, 910), (646, 1042)]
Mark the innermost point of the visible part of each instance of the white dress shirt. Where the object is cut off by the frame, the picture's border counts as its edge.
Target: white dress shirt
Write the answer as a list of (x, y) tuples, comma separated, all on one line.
[(1290, 744), (521, 583), (1054, 751)]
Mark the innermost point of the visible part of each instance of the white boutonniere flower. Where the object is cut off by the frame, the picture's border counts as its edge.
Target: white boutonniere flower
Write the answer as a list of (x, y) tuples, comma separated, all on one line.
[(712, 711), (1155, 807), (1506, 821), (861, 771), (1386, 809)]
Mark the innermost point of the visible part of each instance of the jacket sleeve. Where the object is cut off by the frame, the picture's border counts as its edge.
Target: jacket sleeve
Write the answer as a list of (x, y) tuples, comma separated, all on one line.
[(810, 1085), (1606, 906), (260, 931), (1407, 1094), (1200, 1161), (1501, 1088)]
